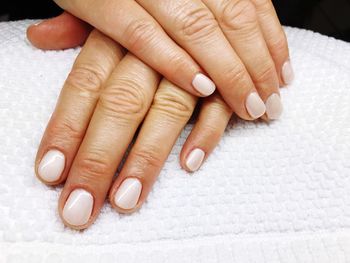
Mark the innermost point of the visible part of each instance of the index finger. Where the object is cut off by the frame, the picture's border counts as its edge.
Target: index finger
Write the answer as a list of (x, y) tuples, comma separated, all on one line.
[(75, 106), (131, 26)]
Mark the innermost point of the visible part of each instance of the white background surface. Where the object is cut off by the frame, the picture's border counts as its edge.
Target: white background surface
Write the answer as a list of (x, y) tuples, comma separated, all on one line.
[(274, 192)]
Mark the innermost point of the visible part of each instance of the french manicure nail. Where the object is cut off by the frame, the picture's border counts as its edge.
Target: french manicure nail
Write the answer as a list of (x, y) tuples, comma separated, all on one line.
[(255, 106), (203, 84), (78, 207), (274, 107), (128, 193), (195, 159), (51, 166), (287, 72)]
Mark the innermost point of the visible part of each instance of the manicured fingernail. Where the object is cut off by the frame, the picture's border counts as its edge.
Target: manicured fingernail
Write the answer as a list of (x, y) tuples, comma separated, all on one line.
[(128, 193), (78, 207), (287, 72), (255, 106), (195, 159), (274, 107), (51, 166), (203, 84)]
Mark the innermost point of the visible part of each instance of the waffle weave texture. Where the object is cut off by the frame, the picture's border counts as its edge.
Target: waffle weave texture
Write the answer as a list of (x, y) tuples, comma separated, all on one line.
[(277, 192)]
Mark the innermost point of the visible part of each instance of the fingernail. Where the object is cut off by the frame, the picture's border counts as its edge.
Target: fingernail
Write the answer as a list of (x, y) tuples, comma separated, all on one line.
[(51, 166), (128, 193), (255, 106), (274, 107), (78, 207), (287, 72), (203, 84), (195, 159), (37, 23)]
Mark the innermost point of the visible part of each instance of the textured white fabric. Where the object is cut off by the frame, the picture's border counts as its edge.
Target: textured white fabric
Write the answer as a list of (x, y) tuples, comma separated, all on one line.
[(274, 192)]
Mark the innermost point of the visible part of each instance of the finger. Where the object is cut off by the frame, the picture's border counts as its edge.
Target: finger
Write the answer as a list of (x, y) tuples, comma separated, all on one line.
[(194, 27), (171, 109), (75, 106), (211, 123), (131, 26), (123, 103), (276, 40), (61, 32), (239, 22)]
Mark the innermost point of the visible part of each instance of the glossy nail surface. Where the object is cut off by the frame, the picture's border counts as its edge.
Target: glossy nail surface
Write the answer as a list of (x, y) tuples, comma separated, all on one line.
[(128, 193), (287, 72), (78, 207), (255, 106), (51, 166), (274, 107), (195, 159), (203, 84)]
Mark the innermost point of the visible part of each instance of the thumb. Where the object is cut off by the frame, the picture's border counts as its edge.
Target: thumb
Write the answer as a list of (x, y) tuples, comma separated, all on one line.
[(61, 32)]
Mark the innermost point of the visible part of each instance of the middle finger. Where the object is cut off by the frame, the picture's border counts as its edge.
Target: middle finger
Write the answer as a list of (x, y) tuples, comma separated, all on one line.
[(194, 27)]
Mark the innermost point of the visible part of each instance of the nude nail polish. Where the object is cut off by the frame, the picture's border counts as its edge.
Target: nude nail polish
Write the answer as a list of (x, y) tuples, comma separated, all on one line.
[(274, 107), (287, 72), (203, 84), (51, 166), (78, 207), (255, 106), (195, 159), (128, 193)]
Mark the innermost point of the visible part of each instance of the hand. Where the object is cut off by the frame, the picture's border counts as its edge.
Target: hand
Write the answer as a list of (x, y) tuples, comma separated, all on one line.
[(240, 44), (103, 102)]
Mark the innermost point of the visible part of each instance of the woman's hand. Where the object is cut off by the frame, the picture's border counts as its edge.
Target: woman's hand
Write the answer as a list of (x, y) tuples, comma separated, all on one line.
[(240, 44), (102, 104)]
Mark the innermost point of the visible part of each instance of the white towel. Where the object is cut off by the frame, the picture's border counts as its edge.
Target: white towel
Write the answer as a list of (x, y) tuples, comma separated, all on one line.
[(276, 192)]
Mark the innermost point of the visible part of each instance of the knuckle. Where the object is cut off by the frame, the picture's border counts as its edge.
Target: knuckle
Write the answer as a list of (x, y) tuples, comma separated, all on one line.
[(85, 78), (94, 165), (178, 63), (139, 33), (197, 23), (263, 4), (265, 75), (238, 14), (63, 130), (218, 106), (147, 157), (173, 103), (212, 131), (279, 44), (124, 98), (236, 74)]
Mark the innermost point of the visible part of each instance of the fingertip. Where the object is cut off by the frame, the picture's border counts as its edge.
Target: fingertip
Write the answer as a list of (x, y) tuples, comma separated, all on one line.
[(33, 37), (61, 32)]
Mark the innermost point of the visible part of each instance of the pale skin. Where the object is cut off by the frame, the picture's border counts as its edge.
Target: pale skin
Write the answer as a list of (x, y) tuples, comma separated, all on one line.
[(105, 98), (90, 120), (239, 44)]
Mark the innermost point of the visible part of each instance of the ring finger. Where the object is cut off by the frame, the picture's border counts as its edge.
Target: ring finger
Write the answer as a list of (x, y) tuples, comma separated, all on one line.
[(239, 21)]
